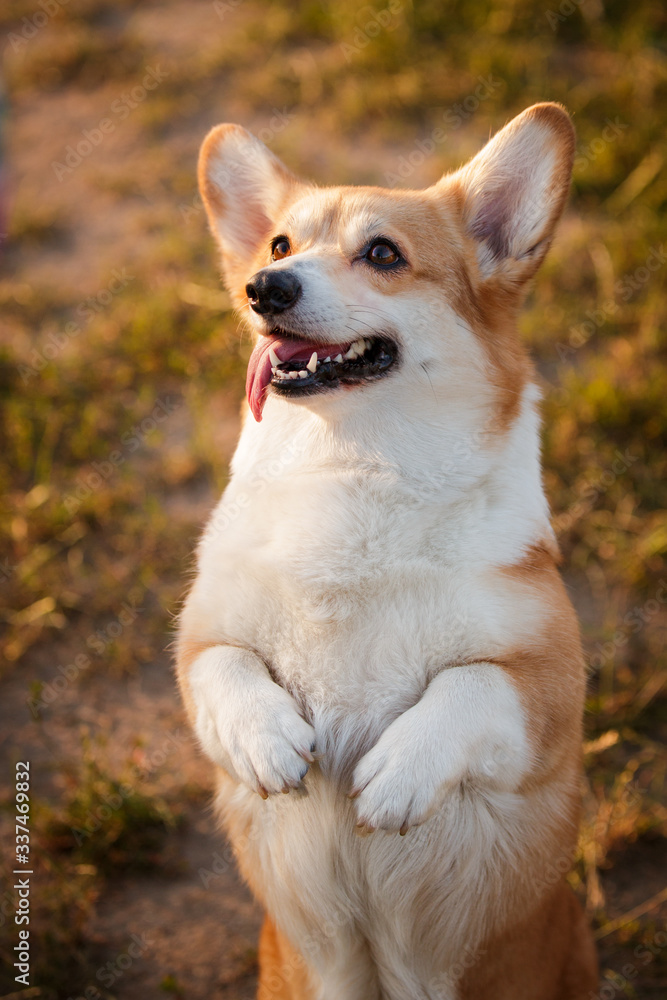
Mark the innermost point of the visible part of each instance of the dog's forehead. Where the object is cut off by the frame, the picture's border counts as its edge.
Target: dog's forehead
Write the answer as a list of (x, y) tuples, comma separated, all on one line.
[(349, 215)]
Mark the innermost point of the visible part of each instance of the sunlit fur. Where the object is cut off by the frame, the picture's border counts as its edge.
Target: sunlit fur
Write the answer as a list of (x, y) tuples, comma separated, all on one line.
[(379, 580)]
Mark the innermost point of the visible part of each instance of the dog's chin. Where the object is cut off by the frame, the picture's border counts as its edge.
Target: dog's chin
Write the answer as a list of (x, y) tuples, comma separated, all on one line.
[(334, 367)]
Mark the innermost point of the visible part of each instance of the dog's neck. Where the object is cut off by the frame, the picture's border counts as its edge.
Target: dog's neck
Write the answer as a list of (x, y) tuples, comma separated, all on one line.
[(484, 476)]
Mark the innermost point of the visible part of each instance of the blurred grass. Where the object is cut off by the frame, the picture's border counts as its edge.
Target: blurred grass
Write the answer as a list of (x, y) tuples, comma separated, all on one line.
[(104, 821), (80, 531), (108, 822)]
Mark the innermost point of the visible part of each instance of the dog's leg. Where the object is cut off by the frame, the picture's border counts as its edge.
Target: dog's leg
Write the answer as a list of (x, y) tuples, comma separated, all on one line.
[(351, 975), (548, 956), (469, 723), (285, 975), (245, 722)]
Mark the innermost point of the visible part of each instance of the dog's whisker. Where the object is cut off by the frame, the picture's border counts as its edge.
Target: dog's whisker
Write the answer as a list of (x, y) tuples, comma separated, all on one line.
[(435, 396)]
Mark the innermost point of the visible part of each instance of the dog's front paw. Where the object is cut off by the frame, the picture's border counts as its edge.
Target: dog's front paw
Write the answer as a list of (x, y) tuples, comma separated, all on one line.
[(468, 725), (393, 785), (254, 731)]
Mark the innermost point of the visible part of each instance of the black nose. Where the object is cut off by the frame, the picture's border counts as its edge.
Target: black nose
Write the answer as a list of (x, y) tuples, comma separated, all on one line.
[(272, 291)]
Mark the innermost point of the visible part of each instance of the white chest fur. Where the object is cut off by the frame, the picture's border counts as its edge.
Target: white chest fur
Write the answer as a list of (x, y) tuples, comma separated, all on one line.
[(355, 580), (358, 574)]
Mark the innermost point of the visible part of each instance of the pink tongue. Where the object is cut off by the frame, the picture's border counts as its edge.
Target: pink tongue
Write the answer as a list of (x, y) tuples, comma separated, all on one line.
[(287, 349)]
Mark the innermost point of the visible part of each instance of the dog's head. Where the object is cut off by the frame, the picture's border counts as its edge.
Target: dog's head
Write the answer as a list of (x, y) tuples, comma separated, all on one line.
[(353, 290)]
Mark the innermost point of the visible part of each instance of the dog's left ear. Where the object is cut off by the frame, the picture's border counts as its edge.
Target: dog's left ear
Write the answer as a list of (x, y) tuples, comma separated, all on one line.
[(513, 192)]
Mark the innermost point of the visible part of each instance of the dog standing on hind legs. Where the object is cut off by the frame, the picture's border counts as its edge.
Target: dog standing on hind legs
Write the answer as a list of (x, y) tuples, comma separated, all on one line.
[(377, 651)]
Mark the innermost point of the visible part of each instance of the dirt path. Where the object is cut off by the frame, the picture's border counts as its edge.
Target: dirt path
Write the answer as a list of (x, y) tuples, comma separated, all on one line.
[(191, 922)]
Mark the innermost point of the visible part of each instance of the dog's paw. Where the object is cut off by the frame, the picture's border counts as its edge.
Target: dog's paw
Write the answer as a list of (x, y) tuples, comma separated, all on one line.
[(255, 733), (468, 725), (393, 785)]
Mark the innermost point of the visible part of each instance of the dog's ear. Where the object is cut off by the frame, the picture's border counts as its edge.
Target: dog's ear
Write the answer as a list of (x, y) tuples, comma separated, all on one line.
[(243, 187), (513, 192)]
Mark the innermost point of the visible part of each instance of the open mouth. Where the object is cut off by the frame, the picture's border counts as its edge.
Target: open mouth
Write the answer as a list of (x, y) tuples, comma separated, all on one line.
[(296, 367)]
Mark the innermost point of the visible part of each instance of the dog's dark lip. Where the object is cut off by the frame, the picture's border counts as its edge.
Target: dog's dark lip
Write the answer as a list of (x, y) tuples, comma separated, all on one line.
[(377, 360)]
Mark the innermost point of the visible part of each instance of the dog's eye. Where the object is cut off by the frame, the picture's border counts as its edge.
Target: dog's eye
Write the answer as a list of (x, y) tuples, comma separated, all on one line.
[(280, 248), (383, 254)]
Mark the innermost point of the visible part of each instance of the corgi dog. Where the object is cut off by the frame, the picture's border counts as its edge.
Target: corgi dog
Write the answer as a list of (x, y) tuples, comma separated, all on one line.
[(377, 651)]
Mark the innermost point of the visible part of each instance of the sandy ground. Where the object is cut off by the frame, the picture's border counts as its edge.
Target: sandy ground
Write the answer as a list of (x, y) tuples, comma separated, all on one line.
[(193, 919)]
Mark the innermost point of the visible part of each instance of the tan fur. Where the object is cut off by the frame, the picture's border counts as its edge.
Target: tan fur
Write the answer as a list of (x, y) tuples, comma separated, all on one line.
[(282, 971), (548, 954)]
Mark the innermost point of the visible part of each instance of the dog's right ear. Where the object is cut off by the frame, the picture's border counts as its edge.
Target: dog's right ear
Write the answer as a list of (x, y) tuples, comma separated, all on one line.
[(244, 187)]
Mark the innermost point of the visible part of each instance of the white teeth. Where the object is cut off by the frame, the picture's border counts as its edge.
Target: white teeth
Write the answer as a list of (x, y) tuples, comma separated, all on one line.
[(357, 349)]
